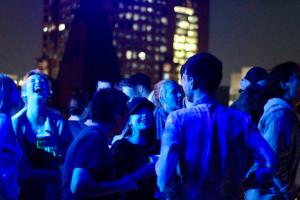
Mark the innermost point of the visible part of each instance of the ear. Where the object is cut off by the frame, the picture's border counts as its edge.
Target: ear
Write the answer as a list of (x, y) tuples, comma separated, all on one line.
[(191, 82)]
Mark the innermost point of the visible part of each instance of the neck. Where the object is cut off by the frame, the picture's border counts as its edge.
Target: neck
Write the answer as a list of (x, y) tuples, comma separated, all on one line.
[(137, 138), (36, 113), (197, 94)]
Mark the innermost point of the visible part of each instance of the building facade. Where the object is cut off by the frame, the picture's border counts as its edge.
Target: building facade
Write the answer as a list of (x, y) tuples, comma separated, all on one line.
[(150, 36)]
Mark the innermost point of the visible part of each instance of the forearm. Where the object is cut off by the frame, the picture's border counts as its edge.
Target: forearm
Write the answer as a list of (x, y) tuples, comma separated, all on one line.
[(97, 189), (83, 184)]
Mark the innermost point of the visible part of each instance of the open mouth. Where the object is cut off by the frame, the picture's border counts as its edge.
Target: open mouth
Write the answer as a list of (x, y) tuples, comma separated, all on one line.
[(38, 90)]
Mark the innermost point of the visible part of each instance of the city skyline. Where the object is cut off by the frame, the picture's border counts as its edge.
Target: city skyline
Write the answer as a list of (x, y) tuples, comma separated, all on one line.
[(240, 34)]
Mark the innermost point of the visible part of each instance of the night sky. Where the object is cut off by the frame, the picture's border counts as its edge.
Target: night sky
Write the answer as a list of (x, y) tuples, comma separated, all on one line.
[(241, 33), (20, 35)]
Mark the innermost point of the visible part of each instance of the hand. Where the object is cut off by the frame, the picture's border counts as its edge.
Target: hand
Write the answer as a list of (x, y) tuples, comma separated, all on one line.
[(127, 184)]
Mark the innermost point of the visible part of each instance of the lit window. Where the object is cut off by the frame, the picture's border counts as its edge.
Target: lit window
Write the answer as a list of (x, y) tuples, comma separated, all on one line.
[(119, 54), (142, 55), (128, 15), (143, 9), (163, 49), (143, 17), (114, 42), (149, 28), (181, 61), (164, 20), (191, 40), (179, 38), (149, 9), (136, 17), (134, 55), (179, 54), (184, 10), (135, 27), (121, 15), (192, 19), (149, 38), (136, 7), (180, 31), (45, 29), (178, 46), (163, 39), (190, 47), (150, 1), (193, 26), (51, 28), (156, 57), (61, 27), (183, 24), (175, 60), (128, 54), (121, 5), (134, 65), (189, 54), (167, 67), (166, 76), (192, 33)]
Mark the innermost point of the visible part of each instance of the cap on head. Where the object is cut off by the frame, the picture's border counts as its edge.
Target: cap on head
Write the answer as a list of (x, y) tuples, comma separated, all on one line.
[(140, 102)]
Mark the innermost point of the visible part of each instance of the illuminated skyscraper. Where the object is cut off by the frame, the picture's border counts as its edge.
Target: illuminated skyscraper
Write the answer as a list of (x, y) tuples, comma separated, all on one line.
[(150, 36)]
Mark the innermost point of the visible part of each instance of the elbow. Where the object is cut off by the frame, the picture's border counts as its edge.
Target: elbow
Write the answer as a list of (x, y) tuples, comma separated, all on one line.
[(76, 187), (79, 183)]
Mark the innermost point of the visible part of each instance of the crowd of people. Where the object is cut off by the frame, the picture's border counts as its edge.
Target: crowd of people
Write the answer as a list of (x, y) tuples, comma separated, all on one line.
[(132, 142)]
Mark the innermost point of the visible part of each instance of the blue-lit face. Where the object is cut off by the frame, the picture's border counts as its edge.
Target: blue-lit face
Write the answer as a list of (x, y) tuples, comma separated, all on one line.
[(294, 86), (37, 88), (129, 91), (172, 99), (141, 120), (187, 87)]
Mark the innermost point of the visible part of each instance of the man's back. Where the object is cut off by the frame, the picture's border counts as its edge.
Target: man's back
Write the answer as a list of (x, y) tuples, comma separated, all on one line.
[(213, 145)]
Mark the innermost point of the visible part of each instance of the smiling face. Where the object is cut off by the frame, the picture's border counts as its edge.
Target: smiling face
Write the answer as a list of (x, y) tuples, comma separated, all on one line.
[(141, 120), (37, 88)]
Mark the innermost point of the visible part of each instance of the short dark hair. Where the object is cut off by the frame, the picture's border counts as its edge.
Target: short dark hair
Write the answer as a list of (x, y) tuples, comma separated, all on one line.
[(205, 69), (107, 104), (7, 85), (77, 104), (279, 73), (140, 79)]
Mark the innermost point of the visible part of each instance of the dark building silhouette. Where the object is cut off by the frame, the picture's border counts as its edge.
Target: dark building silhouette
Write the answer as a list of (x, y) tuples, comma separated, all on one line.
[(89, 55), (150, 36)]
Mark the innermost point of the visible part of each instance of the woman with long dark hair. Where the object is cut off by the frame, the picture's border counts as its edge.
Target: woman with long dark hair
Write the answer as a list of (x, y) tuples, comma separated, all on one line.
[(9, 149)]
